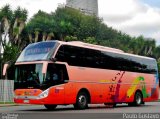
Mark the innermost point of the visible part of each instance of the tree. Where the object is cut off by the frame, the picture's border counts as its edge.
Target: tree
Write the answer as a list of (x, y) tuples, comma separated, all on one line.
[(70, 38), (5, 19), (41, 27), (90, 40), (12, 32), (19, 19)]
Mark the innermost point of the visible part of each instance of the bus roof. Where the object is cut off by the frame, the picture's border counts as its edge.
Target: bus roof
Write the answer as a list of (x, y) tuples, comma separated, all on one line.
[(92, 46)]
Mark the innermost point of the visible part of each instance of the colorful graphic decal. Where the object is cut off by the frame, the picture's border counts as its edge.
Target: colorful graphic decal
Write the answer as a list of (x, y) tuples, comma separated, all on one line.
[(114, 89), (144, 90), (134, 86), (140, 80)]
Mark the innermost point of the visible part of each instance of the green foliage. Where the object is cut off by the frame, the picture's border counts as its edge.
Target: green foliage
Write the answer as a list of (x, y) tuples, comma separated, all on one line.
[(70, 38), (13, 23), (88, 27), (11, 52), (6, 12), (41, 21), (20, 13), (91, 40)]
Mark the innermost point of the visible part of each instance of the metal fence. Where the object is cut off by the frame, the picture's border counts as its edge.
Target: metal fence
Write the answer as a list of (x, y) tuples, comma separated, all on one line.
[(6, 90)]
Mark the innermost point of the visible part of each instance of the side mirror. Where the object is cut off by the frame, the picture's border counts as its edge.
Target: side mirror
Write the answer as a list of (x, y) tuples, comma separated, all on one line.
[(5, 69)]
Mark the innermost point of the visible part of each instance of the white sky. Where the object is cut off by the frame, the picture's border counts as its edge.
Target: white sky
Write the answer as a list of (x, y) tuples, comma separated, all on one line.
[(130, 16)]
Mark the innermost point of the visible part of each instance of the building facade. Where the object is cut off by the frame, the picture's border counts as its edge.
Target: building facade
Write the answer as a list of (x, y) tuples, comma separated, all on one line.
[(89, 7)]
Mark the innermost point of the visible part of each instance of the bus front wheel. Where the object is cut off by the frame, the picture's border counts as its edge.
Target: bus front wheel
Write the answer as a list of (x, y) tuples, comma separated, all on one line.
[(50, 107), (81, 101)]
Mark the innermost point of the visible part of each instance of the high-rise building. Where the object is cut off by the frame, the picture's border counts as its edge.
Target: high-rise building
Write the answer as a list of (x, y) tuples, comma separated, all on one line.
[(89, 7)]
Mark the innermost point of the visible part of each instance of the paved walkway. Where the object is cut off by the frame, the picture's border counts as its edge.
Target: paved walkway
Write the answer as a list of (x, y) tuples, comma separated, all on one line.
[(4, 105)]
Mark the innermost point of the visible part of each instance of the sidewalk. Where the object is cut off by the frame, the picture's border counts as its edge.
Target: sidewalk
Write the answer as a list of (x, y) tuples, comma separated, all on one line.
[(5, 105), (14, 104)]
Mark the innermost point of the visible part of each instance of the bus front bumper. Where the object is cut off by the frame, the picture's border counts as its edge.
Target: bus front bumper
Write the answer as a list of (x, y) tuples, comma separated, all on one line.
[(30, 101)]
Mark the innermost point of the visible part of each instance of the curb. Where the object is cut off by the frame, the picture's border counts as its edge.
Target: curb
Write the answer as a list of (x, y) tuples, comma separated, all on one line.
[(9, 105)]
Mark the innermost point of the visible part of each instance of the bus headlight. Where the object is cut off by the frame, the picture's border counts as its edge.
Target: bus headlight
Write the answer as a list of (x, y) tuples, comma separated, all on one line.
[(44, 94)]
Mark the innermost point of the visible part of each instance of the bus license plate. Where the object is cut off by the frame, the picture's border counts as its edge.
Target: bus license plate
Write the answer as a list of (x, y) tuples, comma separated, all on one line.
[(26, 101)]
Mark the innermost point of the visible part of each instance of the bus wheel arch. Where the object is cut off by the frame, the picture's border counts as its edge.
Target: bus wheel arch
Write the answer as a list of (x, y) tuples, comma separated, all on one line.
[(82, 99)]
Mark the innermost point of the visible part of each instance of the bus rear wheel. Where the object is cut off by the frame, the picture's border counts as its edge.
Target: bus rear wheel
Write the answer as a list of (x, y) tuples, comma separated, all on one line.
[(50, 107), (81, 101), (138, 99)]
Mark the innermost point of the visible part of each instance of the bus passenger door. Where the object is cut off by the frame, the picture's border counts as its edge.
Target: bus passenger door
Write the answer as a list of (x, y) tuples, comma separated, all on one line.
[(56, 79)]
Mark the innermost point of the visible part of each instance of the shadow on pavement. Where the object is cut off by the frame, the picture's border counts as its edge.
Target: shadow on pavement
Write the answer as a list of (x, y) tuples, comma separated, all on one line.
[(91, 107)]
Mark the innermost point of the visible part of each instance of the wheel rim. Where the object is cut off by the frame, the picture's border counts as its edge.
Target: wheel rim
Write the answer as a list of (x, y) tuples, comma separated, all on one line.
[(82, 100), (138, 99)]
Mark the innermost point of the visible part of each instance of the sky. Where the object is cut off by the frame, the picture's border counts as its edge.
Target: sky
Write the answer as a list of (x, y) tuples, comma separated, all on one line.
[(134, 17)]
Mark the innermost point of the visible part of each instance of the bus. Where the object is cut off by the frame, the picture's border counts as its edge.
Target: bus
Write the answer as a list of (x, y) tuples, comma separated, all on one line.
[(55, 73)]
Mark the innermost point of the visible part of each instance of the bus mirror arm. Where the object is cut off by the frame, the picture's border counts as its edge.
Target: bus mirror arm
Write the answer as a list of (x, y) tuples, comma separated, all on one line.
[(53, 59)]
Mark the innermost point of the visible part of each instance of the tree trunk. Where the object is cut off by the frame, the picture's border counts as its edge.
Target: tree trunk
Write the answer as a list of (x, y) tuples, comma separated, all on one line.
[(44, 36), (36, 36), (50, 35), (30, 38)]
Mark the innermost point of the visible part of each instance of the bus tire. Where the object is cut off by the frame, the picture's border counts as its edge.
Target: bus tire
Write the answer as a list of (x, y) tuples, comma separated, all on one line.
[(138, 99), (50, 107), (81, 101)]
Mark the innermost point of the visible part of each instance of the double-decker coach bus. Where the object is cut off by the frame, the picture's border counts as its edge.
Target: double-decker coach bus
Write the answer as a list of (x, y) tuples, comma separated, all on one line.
[(55, 73)]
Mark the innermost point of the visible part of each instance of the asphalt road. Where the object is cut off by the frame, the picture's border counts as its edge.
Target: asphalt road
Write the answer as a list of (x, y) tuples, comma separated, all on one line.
[(99, 111)]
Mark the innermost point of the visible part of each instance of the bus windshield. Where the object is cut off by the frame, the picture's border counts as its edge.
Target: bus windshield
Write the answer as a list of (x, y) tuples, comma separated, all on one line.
[(28, 76), (37, 51), (31, 76)]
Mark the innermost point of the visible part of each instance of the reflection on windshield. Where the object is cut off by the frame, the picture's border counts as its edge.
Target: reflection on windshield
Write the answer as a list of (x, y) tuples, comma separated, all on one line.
[(29, 75)]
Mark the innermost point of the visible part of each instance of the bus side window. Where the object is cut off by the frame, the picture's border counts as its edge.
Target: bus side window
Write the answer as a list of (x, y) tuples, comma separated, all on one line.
[(56, 74), (60, 56)]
